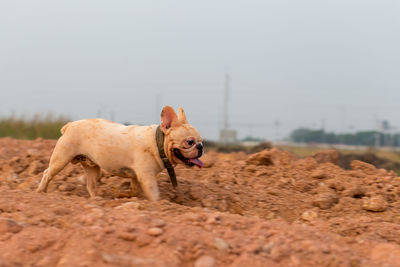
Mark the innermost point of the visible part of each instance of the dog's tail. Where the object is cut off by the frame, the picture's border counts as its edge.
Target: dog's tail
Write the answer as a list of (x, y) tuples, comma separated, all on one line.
[(65, 127)]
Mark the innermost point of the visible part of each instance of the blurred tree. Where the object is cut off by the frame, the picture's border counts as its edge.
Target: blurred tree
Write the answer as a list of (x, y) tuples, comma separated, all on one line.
[(364, 138)]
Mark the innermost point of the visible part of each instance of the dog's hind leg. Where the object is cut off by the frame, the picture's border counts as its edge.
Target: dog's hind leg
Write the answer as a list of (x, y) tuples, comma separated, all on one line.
[(55, 167), (92, 172), (59, 159)]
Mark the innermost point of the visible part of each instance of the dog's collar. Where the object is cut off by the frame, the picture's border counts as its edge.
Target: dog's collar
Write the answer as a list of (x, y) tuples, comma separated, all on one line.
[(164, 158)]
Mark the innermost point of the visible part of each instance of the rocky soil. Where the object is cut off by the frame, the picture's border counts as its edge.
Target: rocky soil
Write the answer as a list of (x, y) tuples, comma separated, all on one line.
[(263, 209)]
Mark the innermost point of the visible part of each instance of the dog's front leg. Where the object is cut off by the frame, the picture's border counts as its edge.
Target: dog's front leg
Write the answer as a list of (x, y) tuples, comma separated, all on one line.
[(148, 182), (135, 186)]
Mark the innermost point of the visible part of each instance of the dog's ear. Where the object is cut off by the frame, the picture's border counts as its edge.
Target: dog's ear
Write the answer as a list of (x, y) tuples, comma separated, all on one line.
[(182, 116), (168, 118)]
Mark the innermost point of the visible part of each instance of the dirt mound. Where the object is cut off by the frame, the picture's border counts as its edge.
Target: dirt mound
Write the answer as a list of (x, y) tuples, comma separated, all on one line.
[(346, 159), (331, 156), (265, 209)]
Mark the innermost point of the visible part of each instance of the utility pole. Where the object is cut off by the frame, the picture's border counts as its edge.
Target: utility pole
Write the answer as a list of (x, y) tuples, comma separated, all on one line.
[(226, 98), (323, 130), (377, 134), (227, 135)]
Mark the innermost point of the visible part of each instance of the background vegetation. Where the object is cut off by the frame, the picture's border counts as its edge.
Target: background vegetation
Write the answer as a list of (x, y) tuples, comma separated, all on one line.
[(365, 138), (47, 127)]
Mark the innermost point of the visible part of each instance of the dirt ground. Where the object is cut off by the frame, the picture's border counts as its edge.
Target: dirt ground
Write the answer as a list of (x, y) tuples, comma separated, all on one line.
[(264, 209)]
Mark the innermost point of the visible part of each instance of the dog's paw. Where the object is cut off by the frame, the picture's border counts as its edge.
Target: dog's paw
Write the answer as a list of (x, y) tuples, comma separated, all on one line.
[(40, 190)]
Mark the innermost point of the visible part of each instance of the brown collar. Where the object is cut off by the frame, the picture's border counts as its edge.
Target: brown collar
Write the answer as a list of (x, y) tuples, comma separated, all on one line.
[(164, 158)]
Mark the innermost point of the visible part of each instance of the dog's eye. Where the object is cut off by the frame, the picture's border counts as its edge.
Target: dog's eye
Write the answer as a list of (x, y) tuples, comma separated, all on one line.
[(190, 142)]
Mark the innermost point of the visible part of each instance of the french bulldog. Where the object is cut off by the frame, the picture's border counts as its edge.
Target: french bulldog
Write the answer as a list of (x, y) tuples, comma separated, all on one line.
[(126, 151)]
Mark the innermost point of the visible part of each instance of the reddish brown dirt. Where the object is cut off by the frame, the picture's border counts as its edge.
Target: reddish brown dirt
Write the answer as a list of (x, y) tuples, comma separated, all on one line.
[(265, 209)]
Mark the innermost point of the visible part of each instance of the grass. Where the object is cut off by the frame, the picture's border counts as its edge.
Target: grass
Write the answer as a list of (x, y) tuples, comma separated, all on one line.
[(388, 154), (47, 127)]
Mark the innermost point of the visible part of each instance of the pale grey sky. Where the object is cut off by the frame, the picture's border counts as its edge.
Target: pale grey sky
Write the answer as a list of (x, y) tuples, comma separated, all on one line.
[(303, 63)]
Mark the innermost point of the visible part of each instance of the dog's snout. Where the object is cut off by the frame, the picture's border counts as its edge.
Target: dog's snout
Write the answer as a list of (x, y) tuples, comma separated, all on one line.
[(200, 149)]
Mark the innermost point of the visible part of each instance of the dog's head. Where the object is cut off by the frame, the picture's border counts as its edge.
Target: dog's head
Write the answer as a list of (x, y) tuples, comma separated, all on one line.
[(183, 143)]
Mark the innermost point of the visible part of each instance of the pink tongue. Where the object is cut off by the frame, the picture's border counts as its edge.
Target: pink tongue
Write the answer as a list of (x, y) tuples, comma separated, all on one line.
[(197, 162)]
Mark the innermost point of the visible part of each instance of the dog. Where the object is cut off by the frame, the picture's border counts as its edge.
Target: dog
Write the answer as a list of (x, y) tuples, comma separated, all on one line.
[(126, 151)]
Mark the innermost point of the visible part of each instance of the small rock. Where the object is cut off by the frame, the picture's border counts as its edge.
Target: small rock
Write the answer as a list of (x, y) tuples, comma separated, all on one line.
[(143, 240), (66, 187), (155, 231), (318, 174), (263, 158), (309, 215), (210, 220), (270, 157), (205, 261), (375, 203), (193, 217), (267, 247), (129, 260), (213, 220), (221, 244), (9, 226), (109, 230), (61, 211), (129, 228), (158, 223), (325, 200), (33, 248), (127, 236)]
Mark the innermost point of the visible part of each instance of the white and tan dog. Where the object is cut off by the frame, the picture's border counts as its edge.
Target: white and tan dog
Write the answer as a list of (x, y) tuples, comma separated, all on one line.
[(126, 151)]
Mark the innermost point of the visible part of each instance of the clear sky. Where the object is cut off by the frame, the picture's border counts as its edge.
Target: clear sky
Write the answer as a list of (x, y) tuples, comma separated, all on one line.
[(312, 63)]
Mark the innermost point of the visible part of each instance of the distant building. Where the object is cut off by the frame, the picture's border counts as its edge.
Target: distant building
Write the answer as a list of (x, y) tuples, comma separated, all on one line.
[(228, 136)]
